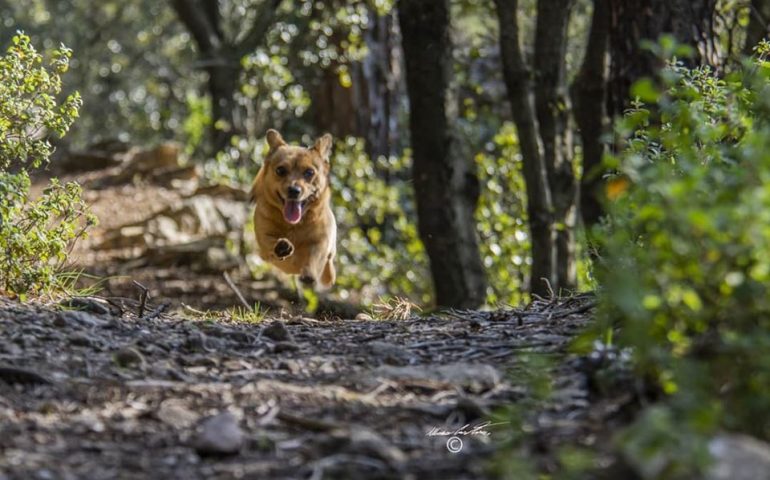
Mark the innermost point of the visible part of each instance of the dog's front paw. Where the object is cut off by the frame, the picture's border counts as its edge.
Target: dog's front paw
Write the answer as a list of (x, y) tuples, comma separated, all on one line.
[(283, 248)]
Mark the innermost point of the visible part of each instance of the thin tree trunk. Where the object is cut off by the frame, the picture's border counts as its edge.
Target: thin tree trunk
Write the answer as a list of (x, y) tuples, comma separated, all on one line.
[(589, 92), (519, 85), (552, 105), (445, 183), (226, 114)]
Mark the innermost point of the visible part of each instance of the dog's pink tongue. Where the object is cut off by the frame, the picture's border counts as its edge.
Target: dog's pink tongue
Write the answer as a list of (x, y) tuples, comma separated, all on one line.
[(292, 211)]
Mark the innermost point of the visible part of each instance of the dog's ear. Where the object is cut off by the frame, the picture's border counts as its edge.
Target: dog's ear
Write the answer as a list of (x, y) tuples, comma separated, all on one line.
[(275, 140), (324, 146)]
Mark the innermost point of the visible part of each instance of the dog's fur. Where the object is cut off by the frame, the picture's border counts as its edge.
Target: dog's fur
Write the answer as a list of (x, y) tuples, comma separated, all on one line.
[(298, 236)]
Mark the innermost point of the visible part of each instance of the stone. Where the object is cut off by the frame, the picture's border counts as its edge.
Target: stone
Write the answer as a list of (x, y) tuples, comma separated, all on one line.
[(175, 413), (277, 331), (69, 318), (128, 357), (219, 435)]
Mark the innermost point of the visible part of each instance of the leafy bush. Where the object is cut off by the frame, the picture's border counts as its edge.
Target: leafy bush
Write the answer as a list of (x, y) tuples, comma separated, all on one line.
[(501, 219), (686, 268), (35, 236), (379, 249)]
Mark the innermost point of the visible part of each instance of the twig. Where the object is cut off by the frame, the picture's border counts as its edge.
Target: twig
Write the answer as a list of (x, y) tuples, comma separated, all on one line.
[(238, 293), (193, 310), (157, 312), (581, 309), (311, 424), (142, 298)]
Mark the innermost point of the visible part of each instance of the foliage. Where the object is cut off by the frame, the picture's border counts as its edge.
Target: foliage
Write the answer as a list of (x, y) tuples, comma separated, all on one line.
[(133, 64), (686, 267), (35, 235), (378, 248), (28, 103), (502, 219)]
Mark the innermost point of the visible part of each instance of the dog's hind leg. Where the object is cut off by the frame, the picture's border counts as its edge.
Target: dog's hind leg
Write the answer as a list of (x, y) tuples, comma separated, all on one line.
[(329, 274)]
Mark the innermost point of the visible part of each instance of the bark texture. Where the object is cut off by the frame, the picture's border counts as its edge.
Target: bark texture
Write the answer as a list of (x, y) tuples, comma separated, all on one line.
[(552, 104), (445, 183), (536, 110), (589, 93), (634, 21)]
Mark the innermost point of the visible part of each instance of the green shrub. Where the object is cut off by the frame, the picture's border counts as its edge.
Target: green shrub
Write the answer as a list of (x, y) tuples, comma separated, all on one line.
[(35, 235), (501, 219), (686, 258), (379, 250), (29, 108)]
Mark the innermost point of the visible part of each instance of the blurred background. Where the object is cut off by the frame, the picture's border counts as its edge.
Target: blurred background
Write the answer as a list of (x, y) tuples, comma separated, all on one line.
[(213, 76), (177, 95)]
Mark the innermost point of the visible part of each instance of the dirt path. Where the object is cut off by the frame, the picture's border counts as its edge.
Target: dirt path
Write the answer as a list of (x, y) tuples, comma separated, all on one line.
[(114, 390), (105, 394)]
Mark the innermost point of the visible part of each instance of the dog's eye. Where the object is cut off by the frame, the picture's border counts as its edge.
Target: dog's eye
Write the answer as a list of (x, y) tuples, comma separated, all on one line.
[(281, 171), (309, 173)]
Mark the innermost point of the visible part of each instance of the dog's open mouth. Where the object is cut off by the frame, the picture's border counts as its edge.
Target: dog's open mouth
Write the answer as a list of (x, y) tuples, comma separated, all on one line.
[(293, 210)]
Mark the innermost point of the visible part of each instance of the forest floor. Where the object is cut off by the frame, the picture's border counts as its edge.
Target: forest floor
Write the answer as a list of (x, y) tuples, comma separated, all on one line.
[(112, 386)]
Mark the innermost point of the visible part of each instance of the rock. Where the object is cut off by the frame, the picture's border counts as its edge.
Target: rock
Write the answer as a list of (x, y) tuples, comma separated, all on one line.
[(201, 343), (389, 353), (22, 376), (292, 366), (364, 317), (285, 347), (468, 376), (70, 318), (128, 357), (276, 330), (81, 340), (87, 304), (175, 413), (219, 435), (739, 457), (197, 231)]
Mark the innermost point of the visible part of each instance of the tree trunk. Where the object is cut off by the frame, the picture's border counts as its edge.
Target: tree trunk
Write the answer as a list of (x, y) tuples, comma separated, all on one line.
[(519, 85), (633, 21), (368, 108), (445, 183), (759, 21), (589, 94), (552, 106), (226, 115), (381, 71), (221, 58)]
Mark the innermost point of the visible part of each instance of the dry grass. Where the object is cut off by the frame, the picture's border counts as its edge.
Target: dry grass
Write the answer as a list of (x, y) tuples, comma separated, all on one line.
[(394, 308)]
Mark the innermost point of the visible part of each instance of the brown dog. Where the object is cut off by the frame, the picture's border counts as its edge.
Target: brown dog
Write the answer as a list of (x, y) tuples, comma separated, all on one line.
[(293, 219)]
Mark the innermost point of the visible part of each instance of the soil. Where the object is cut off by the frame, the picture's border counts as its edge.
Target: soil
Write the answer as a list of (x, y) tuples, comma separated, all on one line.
[(110, 395)]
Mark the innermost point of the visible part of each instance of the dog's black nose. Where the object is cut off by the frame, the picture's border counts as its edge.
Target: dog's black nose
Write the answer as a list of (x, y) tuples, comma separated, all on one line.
[(294, 192)]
